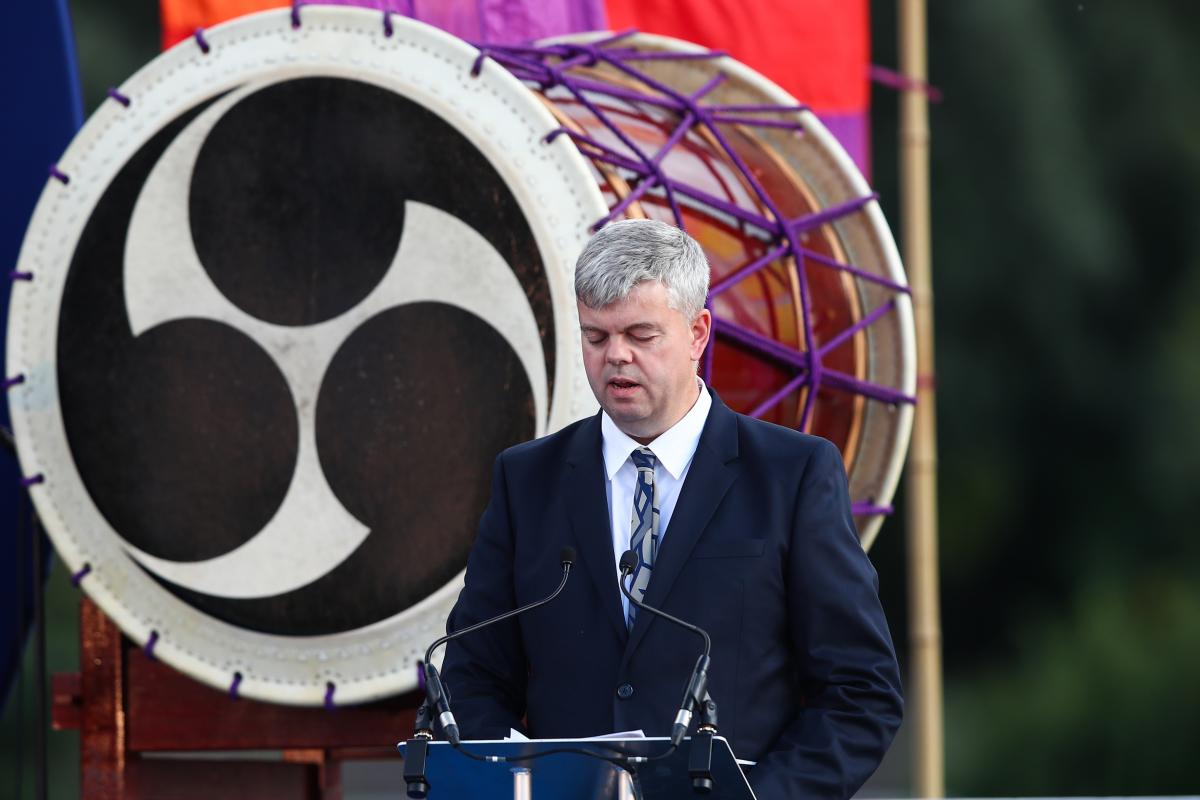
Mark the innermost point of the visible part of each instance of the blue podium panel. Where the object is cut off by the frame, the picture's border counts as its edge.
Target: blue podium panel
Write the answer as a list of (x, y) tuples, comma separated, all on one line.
[(570, 776)]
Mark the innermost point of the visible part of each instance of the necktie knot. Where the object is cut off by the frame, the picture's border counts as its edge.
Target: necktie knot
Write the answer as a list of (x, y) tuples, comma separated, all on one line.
[(643, 458)]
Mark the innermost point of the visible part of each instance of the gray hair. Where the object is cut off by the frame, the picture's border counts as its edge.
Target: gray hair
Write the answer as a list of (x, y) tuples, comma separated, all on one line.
[(626, 253)]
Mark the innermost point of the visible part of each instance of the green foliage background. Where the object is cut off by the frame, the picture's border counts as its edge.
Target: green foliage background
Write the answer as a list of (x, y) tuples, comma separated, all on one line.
[(1065, 167), (1066, 224)]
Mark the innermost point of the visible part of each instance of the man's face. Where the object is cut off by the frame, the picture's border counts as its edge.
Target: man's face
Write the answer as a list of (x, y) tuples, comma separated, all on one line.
[(640, 357)]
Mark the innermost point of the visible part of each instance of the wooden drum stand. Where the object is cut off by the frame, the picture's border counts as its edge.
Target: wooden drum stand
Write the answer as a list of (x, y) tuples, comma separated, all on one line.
[(147, 731)]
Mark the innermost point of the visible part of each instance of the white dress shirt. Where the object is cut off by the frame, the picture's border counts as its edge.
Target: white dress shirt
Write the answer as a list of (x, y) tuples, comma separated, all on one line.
[(673, 450)]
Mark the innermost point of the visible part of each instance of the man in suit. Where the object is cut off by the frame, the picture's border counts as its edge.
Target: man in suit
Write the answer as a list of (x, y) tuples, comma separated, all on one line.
[(739, 526)]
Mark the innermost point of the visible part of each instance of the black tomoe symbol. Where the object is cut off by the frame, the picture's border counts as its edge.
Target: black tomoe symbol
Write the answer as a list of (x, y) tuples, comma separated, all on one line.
[(297, 326)]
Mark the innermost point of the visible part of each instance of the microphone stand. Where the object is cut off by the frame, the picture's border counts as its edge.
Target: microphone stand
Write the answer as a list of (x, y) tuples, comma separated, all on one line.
[(695, 696), (416, 753), (437, 698)]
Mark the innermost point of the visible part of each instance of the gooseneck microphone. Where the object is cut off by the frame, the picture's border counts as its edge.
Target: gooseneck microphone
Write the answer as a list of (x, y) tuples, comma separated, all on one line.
[(437, 699), (436, 692), (697, 689)]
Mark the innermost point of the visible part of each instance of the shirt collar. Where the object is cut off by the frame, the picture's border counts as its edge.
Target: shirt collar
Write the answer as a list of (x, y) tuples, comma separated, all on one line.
[(674, 448)]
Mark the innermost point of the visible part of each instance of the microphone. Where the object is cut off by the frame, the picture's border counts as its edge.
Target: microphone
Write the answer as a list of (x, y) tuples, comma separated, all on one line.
[(697, 689), (436, 692)]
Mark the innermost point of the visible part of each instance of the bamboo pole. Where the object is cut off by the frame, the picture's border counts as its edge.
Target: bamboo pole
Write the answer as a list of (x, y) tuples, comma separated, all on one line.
[(925, 633)]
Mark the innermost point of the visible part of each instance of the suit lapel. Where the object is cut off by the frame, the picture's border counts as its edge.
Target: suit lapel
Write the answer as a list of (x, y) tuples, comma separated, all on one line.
[(587, 507), (711, 474)]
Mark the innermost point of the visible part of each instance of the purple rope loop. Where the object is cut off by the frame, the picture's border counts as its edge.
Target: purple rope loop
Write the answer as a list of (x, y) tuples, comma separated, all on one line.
[(477, 65), (15, 380), (554, 134), (201, 41), (296, 13), (861, 325), (616, 37), (815, 220), (388, 29), (77, 577), (20, 276), (329, 689), (149, 648), (32, 480), (233, 687), (120, 98), (59, 175), (903, 83)]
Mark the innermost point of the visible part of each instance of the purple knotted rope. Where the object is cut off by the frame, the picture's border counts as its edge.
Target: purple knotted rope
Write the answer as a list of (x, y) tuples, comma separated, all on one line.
[(78, 576), (20, 276), (15, 380), (59, 175), (329, 689), (868, 508), (296, 13), (201, 41), (148, 649), (388, 28), (903, 83), (32, 480), (233, 687), (116, 95)]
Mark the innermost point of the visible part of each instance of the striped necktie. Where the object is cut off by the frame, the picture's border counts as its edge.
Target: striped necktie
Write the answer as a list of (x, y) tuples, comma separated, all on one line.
[(643, 538)]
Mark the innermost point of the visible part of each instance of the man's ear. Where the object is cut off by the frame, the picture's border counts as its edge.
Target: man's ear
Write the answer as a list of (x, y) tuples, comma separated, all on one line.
[(701, 330)]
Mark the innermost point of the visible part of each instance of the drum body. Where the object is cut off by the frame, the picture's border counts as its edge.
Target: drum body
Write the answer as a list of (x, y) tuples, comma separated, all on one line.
[(293, 289)]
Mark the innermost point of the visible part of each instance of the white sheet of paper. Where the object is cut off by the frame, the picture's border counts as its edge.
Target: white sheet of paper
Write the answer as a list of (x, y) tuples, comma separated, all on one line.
[(515, 735), (638, 734)]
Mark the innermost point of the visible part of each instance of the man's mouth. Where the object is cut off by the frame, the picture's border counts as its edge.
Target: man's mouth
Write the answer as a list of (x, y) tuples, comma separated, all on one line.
[(622, 385)]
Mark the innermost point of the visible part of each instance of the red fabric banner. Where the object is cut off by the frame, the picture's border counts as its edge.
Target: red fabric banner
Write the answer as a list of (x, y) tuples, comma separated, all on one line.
[(817, 50)]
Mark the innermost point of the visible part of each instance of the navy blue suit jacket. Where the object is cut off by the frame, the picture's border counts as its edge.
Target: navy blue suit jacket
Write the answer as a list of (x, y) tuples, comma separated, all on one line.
[(761, 552)]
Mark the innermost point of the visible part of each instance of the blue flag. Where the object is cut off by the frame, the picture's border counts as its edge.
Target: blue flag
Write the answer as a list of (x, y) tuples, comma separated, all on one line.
[(43, 110)]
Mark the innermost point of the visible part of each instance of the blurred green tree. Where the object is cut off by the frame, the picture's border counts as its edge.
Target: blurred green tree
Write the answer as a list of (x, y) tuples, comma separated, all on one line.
[(1067, 280)]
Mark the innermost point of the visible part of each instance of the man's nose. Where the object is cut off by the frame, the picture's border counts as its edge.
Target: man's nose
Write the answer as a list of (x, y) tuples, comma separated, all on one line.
[(618, 351)]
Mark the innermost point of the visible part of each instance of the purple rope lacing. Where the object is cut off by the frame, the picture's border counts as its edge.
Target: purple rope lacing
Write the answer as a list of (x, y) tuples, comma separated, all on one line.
[(201, 41), (120, 98), (388, 28), (59, 175), (20, 276), (867, 508), (550, 66), (329, 690), (421, 675), (903, 83), (233, 687), (148, 649), (15, 380), (77, 577), (32, 480), (296, 13)]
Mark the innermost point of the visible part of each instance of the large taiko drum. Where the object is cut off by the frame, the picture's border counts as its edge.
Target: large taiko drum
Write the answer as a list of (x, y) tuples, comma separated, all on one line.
[(293, 287)]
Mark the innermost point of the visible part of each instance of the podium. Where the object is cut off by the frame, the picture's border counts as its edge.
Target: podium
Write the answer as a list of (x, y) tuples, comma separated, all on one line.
[(451, 775)]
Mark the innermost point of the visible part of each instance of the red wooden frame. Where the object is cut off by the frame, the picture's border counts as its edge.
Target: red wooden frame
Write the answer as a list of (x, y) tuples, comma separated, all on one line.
[(135, 715)]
